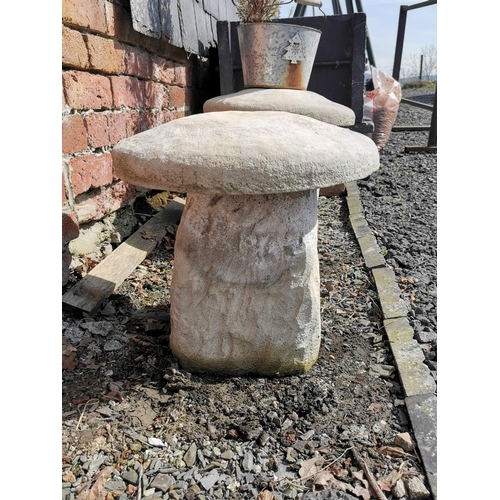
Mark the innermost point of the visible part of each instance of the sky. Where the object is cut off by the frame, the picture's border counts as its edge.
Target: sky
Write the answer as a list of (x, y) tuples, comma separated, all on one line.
[(382, 17)]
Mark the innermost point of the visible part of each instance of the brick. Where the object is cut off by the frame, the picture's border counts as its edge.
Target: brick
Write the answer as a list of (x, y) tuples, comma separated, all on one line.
[(143, 122), (94, 206), (163, 49), (336, 190), (163, 70), (74, 136), (177, 97), (180, 75), (105, 55), (70, 229), (156, 95), (157, 118), (87, 91), (127, 91), (97, 130), (123, 124), (119, 24), (117, 127), (90, 171), (74, 50), (88, 14), (179, 114), (168, 51), (150, 119), (138, 63)]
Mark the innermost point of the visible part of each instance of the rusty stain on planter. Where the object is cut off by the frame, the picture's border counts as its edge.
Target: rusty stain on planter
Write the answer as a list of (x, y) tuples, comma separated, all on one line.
[(276, 55)]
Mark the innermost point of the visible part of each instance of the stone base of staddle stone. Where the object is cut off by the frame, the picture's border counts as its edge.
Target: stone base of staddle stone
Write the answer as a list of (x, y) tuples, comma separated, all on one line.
[(245, 295)]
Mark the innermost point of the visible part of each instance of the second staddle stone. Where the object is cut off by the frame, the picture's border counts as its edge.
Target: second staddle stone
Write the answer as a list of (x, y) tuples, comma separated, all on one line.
[(245, 286)]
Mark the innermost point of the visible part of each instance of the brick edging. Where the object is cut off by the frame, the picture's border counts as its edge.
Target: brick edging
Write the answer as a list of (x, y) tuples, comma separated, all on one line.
[(416, 379)]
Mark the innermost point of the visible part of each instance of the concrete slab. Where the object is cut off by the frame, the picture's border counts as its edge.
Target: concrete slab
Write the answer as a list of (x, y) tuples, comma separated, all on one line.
[(354, 204), (393, 306), (371, 252), (422, 410), (398, 330), (416, 378), (360, 226)]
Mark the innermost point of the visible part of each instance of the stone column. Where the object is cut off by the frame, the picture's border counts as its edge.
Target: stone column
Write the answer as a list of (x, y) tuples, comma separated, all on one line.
[(245, 286)]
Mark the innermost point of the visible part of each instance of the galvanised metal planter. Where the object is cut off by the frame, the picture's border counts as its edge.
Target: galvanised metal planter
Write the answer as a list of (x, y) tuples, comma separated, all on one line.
[(277, 55)]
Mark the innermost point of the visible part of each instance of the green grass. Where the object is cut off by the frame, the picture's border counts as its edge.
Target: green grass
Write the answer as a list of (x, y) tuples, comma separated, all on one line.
[(420, 84)]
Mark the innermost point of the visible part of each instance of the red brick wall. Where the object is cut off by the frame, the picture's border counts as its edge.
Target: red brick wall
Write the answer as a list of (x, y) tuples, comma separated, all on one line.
[(116, 83)]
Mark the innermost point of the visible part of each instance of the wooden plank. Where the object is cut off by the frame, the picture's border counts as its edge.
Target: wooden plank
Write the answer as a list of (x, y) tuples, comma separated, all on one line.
[(225, 58), (94, 288)]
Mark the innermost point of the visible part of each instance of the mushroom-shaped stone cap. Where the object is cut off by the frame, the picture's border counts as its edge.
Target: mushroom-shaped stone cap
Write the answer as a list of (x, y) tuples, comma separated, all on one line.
[(300, 102), (241, 152)]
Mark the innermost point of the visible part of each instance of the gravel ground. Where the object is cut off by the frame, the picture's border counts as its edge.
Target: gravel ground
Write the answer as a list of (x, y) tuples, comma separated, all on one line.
[(135, 425), (400, 203)]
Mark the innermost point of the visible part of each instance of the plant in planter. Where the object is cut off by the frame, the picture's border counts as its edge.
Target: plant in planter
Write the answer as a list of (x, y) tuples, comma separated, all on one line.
[(257, 11), (275, 55)]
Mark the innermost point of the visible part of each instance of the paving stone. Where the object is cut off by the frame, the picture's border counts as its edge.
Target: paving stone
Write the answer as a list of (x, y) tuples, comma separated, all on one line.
[(389, 293), (360, 226), (352, 188), (422, 410), (354, 204), (398, 329), (415, 376), (371, 251)]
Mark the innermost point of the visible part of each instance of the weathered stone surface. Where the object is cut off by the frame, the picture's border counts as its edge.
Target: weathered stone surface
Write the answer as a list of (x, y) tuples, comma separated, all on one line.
[(393, 306), (416, 488), (301, 102), (422, 411), (245, 294), (371, 251), (245, 286), (398, 330), (415, 376), (242, 152), (404, 440)]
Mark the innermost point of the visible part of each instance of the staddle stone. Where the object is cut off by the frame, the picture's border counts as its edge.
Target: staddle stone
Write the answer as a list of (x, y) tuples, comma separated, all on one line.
[(300, 102), (245, 285), (242, 152)]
